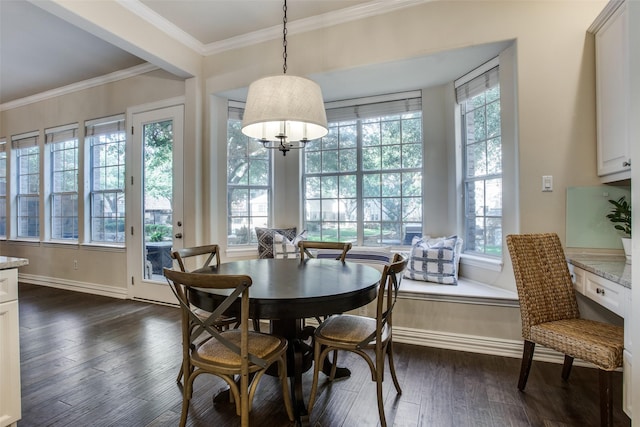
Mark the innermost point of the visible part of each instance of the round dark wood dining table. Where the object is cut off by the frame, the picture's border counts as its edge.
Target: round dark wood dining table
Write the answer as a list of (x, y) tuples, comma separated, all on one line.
[(286, 291)]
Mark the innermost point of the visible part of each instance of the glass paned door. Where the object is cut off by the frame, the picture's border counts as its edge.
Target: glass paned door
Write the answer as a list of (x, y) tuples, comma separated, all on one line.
[(156, 190)]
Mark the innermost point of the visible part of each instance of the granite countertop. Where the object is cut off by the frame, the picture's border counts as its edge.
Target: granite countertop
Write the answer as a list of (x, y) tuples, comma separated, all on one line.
[(7, 262), (610, 267)]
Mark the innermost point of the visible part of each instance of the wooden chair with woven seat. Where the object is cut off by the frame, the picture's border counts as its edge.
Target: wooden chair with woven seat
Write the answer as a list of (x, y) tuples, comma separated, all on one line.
[(550, 315), (226, 353), (212, 253), (359, 333), (305, 245)]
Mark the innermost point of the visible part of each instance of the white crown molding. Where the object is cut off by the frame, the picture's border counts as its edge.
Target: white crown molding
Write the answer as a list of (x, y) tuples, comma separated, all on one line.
[(373, 8), (606, 13), (85, 84)]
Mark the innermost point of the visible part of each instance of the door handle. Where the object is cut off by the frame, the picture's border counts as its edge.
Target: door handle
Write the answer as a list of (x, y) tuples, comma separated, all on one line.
[(178, 236)]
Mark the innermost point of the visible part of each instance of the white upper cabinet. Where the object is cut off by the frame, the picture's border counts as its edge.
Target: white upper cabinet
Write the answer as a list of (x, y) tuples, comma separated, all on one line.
[(612, 92)]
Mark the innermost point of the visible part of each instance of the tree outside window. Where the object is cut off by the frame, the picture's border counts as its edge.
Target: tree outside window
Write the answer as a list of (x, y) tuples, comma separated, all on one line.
[(362, 182)]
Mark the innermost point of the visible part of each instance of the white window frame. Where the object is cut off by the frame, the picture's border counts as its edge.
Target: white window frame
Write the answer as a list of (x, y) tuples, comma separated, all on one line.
[(257, 214), (475, 83), (94, 129), (62, 141), (26, 145)]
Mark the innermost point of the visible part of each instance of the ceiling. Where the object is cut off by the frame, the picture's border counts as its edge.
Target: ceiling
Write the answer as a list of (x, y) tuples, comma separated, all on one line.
[(41, 52)]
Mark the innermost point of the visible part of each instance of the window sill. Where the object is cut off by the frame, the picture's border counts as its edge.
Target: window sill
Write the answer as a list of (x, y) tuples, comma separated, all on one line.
[(103, 247), (242, 252), (26, 242), (466, 292), (492, 264)]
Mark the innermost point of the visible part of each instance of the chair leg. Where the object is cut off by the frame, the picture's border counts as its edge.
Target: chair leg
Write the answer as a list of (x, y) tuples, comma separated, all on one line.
[(316, 374), (186, 397), (606, 398), (527, 358), (179, 379), (256, 325), (379, 379), (392, 367), (566, 368)]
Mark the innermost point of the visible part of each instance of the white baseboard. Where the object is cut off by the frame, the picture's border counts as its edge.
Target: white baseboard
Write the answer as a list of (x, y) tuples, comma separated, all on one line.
[(74, 285), (476, 344)]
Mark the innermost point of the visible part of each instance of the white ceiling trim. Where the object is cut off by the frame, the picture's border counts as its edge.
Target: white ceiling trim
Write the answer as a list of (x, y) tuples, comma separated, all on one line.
[(373, 8), (86, 84)]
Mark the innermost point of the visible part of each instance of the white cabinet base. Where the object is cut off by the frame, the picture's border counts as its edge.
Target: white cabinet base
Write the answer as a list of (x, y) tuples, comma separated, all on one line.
[(10, 409)]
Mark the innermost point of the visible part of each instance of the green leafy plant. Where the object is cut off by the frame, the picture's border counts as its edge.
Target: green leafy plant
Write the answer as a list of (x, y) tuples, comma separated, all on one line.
[(620, 215)]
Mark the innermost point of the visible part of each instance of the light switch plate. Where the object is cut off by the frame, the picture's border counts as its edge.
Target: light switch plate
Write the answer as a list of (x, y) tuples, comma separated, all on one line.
[(547, 183)]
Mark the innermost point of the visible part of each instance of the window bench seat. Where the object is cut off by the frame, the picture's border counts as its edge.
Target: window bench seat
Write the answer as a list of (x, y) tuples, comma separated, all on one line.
[(467, 292)]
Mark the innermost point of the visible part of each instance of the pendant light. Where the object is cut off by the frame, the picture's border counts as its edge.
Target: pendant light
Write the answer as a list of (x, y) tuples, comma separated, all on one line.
[(284, 112)]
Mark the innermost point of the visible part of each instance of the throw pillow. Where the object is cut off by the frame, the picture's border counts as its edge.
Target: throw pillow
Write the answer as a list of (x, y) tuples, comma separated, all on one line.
[(435, 260), (265, 239), (285, 248)]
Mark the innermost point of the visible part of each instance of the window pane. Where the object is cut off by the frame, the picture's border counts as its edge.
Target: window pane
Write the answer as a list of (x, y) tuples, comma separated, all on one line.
[(348, 186), (371, 158), (494, 156), (348, 136), (329, 187)]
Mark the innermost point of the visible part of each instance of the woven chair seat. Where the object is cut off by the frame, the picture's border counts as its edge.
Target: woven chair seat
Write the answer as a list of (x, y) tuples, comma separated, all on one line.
[(213, 351), (595, 342), (349, 329)]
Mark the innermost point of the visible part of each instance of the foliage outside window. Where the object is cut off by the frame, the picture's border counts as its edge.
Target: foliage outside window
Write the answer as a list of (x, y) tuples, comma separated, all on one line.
[(482, 157), (158, 181), (106, 140), (362, 182), (63, 146), (248, 182), (27, 156), (3, 189)]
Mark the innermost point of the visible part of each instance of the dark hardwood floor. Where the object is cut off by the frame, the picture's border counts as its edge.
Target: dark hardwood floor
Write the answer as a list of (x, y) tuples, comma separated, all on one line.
[(95, 361)]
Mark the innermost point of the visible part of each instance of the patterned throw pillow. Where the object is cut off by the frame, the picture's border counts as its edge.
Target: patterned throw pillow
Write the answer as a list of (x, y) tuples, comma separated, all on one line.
[(435, 260), (285, 248), (265, 239)]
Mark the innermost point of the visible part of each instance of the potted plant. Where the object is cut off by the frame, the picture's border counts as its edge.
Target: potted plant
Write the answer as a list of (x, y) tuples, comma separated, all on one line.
[(620, 216)]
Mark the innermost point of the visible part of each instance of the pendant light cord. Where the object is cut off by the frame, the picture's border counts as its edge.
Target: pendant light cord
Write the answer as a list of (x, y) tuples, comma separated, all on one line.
[(284, 37)]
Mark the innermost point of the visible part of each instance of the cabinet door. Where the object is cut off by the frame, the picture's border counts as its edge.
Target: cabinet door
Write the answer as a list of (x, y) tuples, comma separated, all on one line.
[(10, 409), (612, 92)]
